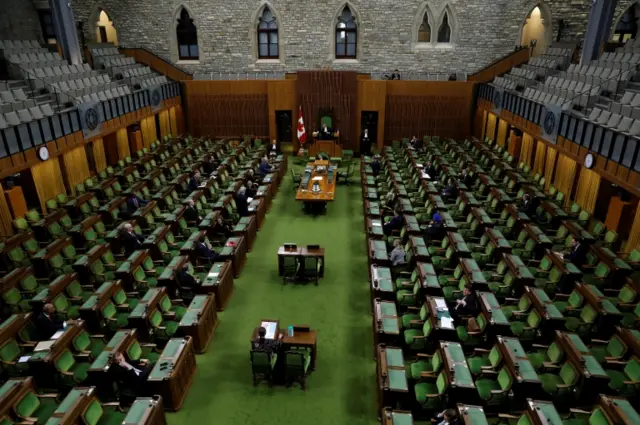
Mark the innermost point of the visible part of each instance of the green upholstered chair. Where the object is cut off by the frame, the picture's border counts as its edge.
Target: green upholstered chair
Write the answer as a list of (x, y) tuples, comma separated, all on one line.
[(613, 350), (10, 353), (326, 119), (296, 364), (431, 393), (415, 317), (64, 307), (172, 309), (309, 269), (425, 366), (495, 392), (475, 337), (262, 365), (416, 339), (162, 329), (34, 408), (543, 355), (289, 268), (484, 360), (345, 176), (88, 346), (113, 318), (626, 382), (559, 385), (137, 351), (71, 372)]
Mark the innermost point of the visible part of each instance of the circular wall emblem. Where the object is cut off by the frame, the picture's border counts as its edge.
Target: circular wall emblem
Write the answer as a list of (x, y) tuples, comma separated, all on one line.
[(549, 122), (155, 97), (497, 99), (91, 119)]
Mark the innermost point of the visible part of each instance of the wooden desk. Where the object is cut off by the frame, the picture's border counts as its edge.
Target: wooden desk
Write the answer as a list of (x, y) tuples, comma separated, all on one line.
[(327, 188), (608, 314), (456, 371), (618, 268), (287, 252), (619, 409), (146, 411), (525, 379), (382, 286), (372, 209), (386, 328), (390, 416), (393, 387), (471, 415), (440, 318), (219, 281), (483, 219), (173, 373), (498, 324), (235, 250), (593, 376), (303, 339), (378, 253), (98, 373), (374, 228), (552, 318), (247, 227), (631, 338), (200, 321)]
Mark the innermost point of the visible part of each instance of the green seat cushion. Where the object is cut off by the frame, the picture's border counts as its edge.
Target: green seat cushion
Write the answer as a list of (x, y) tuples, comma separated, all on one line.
[(80, 370), (172, 327), (617, 379), (476, 364), (408, 318), (550, 382), (485, 386), (405, 297), (424, 388), (416, 368)]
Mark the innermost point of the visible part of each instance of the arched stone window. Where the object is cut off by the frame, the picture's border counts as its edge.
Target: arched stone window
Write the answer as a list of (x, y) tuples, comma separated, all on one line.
[(187, 36), (268, 36), (346, 35), (444, 32), (424, 32)]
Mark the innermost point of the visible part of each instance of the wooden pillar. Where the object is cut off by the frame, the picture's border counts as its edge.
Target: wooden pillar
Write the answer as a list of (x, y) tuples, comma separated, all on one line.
[(123, 143)]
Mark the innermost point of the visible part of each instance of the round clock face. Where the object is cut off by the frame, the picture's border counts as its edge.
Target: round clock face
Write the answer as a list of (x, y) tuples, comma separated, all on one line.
[(43, 153), (588, 161)]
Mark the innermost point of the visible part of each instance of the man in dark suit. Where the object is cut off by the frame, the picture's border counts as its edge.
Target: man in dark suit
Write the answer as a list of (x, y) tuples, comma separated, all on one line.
[(431, 170), (131, 374), (467, 305), (394, 224), (204, 251), (270, 345), (187, 279), (375, 166), (365, 143), (208, 165), (451, 191), (194, 181), (48, 323), (130, 240), (527, 206), (265, 168), (191, 213), (466, 179), (242, 204), (325, 132), (274, 149), (578, 253), (134, 202)]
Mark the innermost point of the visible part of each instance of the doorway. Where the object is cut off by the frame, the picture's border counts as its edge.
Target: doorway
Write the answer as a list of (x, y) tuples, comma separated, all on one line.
[(105, 31), (284, 132), (369, 120)]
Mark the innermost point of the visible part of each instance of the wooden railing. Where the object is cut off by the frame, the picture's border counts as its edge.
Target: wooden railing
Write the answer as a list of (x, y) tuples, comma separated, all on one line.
[(501, 66), (161, 66)]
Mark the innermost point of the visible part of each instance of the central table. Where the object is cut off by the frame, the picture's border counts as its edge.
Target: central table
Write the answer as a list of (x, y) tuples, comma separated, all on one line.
[(326, 180)]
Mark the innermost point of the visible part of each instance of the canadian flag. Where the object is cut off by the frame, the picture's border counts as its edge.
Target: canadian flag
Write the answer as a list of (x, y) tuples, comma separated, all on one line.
[(302, 134)]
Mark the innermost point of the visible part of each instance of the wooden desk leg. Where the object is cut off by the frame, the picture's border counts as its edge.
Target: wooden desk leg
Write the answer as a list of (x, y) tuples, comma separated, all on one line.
[(314, 353), (280, 265)]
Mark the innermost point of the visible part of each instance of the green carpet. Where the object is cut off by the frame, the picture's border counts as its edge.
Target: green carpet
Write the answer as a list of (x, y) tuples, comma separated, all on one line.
[(342, 388)]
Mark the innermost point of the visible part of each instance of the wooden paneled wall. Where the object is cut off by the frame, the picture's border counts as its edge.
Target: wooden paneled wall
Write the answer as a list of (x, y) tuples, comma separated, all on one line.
[(165, 125), (48, 181), (420, 107), (99, 156), (428, 107), (6, 227), (76, 168), (122, 137)]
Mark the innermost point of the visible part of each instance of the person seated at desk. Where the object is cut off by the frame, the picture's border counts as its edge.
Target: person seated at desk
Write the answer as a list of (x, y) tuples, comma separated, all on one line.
[(467, 305), (325, 132), (48, 323), (435, 229), (265, 168), (224, 228), (130, 240), (375, 166), (397, 255), (242, 203), (394, 224), (272, 346), (131, 374), (528, 207), (187, 279), (466, 179), (430, 169), (134, 202), (447, 417), (389, 200), (204, 251), (252, 189), (195, 180), (191, 213), (208, 165), (451, 191), (578, 253), (365, 143)]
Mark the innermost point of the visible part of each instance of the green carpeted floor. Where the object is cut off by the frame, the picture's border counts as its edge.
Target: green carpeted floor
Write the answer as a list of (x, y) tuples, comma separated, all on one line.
[(342, 389)]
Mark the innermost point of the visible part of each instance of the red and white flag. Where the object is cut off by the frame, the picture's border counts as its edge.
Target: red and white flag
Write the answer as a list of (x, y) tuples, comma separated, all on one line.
[(302, 134)]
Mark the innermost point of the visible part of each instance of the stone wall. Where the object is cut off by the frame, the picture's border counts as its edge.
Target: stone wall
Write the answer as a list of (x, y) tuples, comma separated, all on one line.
[(19, 20), (387, 30)]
